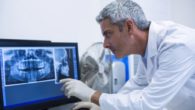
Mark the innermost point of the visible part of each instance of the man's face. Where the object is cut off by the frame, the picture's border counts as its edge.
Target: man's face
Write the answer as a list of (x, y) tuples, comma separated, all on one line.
[(114, 39)]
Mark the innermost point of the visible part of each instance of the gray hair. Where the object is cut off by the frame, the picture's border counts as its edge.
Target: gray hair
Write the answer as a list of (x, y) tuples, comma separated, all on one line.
[(119, 12)]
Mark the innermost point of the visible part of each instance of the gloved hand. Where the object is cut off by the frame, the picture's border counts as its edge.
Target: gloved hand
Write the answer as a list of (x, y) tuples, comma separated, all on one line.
[(73, 87), (88, 105)]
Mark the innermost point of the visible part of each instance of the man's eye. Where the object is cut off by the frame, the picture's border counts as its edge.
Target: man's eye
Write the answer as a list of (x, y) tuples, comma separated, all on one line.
[(108, 34)]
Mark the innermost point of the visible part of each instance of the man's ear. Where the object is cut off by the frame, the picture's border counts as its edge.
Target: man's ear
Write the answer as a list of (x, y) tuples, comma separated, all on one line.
[(129, 24)]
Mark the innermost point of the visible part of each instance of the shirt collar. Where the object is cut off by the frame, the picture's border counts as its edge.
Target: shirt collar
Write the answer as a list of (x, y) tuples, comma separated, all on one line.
[(151, 49)]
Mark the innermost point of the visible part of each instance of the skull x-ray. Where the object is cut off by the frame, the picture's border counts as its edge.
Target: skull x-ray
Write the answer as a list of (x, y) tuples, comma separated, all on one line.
[(62, 64), (28, 65)]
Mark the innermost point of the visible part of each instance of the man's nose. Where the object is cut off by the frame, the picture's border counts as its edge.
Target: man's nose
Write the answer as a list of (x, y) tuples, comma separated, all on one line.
[(106, 44)]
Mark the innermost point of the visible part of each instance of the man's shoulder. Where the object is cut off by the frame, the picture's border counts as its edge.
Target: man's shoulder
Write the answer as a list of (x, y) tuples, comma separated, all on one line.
[(167, 22)]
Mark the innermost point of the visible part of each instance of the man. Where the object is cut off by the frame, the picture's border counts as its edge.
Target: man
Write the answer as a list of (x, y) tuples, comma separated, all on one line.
[(165, 76)]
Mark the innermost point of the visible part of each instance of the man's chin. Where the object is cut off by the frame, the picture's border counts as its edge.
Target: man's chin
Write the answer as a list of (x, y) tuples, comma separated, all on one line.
[(119, 55)]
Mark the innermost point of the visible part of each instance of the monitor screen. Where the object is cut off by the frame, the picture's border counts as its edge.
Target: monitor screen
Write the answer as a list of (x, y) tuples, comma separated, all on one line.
[(30, 74)]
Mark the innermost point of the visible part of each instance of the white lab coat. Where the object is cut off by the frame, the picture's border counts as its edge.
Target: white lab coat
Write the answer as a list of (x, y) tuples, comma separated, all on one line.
[(166, 79)]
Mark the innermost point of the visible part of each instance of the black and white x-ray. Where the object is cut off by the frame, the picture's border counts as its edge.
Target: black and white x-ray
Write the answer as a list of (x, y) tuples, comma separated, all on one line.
[(27, 65), (63, 60)]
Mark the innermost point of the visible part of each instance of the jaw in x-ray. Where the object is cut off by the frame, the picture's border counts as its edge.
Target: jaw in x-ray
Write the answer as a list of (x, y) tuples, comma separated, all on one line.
[(28, 65), (62, 64)]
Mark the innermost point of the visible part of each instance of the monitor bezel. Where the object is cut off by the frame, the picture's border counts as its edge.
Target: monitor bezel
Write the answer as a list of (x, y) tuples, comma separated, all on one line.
[(45, 104)]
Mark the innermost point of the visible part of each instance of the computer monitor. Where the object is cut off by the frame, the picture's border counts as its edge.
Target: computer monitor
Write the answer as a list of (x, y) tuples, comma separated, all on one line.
[(30, 74), (12, 41)]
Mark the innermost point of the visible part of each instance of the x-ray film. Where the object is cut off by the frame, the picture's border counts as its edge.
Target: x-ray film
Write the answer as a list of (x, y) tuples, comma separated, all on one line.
[(32, 65), (28, 65), (63, 58)]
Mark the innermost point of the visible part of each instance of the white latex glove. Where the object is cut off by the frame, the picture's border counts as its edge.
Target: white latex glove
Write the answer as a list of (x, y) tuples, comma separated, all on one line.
[(73, 87), (88, 105)]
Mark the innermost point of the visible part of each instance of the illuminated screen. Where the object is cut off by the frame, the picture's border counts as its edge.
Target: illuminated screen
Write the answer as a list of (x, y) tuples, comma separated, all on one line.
[(30, 74)]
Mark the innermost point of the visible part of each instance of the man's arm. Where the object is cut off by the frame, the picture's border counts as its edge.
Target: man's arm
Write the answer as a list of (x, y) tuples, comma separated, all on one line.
[(173, 72)]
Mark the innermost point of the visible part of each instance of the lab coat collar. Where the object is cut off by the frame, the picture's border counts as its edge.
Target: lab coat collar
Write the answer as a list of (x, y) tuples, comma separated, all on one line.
[(151, 49)]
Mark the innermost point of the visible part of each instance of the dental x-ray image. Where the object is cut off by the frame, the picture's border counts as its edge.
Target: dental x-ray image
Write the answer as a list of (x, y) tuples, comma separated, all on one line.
[(62, 67), (28, 65), (63, 63)]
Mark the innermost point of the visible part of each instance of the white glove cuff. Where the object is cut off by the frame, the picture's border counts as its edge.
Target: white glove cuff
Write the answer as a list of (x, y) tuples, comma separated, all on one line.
[(91, 92)]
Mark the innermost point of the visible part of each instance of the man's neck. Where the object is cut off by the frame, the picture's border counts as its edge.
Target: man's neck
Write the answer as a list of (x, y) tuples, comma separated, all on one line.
[(142, 36)]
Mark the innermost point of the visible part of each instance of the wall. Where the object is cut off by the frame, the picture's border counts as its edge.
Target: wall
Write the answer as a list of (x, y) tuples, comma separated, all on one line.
[(56, 20), (180, 11), (156, 10), (183, 12)]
